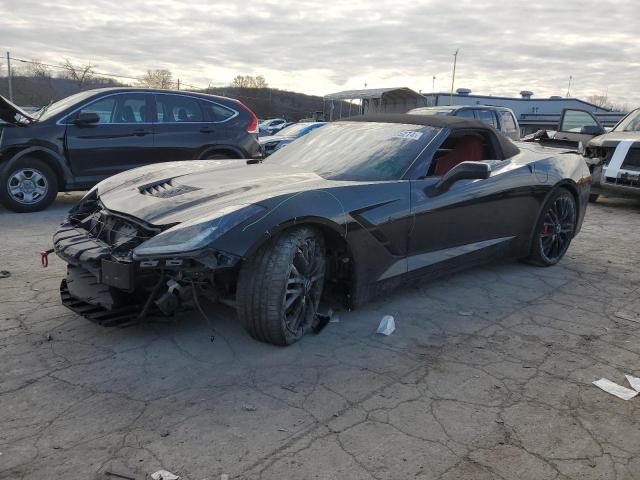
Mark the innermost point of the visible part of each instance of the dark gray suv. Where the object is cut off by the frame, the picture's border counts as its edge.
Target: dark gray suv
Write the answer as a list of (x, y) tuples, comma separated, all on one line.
[(82, 139)]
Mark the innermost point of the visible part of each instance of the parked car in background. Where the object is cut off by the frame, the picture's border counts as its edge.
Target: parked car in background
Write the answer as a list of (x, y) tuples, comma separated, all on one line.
[(285, 136), (357, 207), (613, 157), (501, 118), (74, 143), (271, 126)]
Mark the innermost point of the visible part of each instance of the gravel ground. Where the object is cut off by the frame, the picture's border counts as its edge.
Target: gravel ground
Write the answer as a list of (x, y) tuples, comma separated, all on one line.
[(487, 376)]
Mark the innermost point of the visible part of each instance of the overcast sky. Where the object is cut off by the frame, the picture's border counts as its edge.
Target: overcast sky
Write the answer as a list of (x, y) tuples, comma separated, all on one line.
[(319, 47)]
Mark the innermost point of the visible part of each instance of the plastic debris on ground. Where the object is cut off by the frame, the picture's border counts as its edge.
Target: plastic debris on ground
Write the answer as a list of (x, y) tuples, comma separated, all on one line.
[(249, 408), (323, 319), (387, 325), (614, 389), (634, 382), (5, 273), (465, 313), (631, 316), (164, 475)]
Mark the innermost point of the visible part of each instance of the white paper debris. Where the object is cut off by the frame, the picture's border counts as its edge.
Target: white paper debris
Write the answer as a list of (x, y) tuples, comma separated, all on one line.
[(634, 382), (632, 317), (164, 475), (387, 325), (465, 313), (614, 389)]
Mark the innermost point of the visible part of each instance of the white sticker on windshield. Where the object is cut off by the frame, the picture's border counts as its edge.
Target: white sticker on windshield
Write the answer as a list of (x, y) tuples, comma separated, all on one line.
[(409, 134)]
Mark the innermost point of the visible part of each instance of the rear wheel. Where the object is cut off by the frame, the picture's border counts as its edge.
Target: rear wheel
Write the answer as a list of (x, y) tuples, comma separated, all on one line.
[(555, 229), (28, 186), (279, 288)]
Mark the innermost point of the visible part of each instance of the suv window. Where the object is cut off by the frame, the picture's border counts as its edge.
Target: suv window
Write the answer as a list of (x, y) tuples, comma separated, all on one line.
[(574, 120), (507, 121), (127, 108), (130, 108), (216, 113), (466, 113), (487, 116), (103, 107), (177, 109)]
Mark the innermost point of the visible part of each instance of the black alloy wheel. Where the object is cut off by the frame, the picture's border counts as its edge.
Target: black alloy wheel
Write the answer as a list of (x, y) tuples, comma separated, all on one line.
[(556, 229)]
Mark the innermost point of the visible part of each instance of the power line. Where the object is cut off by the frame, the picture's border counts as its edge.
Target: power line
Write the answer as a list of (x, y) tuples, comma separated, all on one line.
[(105, 74)]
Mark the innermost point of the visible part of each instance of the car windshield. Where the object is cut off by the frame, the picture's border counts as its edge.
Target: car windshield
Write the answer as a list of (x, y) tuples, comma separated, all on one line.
[(61, 105), (360, 151), (631, 123), (292, 130)]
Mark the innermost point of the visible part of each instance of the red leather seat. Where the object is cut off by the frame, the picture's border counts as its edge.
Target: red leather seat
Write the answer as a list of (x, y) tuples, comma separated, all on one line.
[(468, 149)]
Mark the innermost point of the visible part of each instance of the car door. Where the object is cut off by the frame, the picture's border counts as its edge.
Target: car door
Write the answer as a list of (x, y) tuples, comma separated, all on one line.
[(508, 124), (471, 220), (180, 130), (577, 126), (120, 140)]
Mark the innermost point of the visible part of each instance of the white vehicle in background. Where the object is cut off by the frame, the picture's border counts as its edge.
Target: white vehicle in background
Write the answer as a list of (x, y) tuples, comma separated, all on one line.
[(271, 126), (613, 157)]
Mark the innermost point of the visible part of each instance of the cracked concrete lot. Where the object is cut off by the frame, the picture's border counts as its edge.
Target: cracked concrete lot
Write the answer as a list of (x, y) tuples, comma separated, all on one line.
[(488, 376)]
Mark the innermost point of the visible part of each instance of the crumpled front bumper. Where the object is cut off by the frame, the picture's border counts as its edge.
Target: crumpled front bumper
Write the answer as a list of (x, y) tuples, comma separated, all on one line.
[(96, 286)]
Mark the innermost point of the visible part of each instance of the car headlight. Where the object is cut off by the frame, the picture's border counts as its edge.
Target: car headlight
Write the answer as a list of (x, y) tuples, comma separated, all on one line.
[(198, 233)]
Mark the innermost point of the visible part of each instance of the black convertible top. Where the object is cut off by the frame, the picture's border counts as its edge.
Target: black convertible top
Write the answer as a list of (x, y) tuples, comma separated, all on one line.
[(441, 121)]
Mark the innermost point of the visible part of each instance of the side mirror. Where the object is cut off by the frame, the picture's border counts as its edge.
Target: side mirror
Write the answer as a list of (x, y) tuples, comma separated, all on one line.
[(462, 171), (86, 118), (594, 130)]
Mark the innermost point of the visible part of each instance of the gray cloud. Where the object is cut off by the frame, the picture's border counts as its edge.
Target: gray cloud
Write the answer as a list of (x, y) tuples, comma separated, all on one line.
[(319, 47)]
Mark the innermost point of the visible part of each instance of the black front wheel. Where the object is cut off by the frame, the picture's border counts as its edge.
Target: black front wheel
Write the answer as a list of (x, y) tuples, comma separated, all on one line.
[(28, 186), (279, 288), (555, 229)]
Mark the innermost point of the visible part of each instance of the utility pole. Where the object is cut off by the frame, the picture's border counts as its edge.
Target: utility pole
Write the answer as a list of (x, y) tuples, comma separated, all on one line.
[(569, 86), (433, 84), (9, 77), (453, 77), (178, 84)]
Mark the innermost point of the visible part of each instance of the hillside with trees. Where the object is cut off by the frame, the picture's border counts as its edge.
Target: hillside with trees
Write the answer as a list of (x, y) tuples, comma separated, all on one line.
[(35, 84)]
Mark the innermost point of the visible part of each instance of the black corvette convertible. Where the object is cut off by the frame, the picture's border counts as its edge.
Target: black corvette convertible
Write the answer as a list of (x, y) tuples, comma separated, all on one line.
[(352, 209)]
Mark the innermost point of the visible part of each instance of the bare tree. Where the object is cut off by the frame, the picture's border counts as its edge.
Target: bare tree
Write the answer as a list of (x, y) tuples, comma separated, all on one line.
[(247, 81), (260, 82), (78, 73), (161, 78), (601, 101), (37, 69)]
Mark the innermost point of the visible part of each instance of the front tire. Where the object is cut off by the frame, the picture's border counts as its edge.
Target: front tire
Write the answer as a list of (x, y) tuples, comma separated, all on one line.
[(279, 288), (555, 229), (30, 185)]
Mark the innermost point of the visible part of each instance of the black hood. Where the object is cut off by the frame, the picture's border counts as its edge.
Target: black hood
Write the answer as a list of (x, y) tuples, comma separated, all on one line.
[(175, 192), (612, 139), (13, 114)]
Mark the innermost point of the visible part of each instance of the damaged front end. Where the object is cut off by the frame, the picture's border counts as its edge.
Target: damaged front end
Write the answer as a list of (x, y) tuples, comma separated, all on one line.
[(122, 269), (615, 167)]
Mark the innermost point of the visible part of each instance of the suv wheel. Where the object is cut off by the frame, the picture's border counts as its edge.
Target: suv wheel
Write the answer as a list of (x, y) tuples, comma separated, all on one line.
[(28, 186)]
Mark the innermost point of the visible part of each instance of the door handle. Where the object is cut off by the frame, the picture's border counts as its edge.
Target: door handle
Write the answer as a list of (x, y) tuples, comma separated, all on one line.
[(206, 130), (140, 132)]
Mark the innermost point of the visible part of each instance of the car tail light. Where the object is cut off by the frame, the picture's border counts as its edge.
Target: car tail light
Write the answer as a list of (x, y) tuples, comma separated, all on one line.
[(253, 124)]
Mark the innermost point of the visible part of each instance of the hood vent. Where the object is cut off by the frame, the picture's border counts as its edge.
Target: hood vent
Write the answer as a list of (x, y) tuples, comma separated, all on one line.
[(166, 189)]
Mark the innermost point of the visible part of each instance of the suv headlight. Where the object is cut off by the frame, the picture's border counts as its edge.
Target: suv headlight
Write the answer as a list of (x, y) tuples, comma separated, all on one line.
[(198, 233)]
